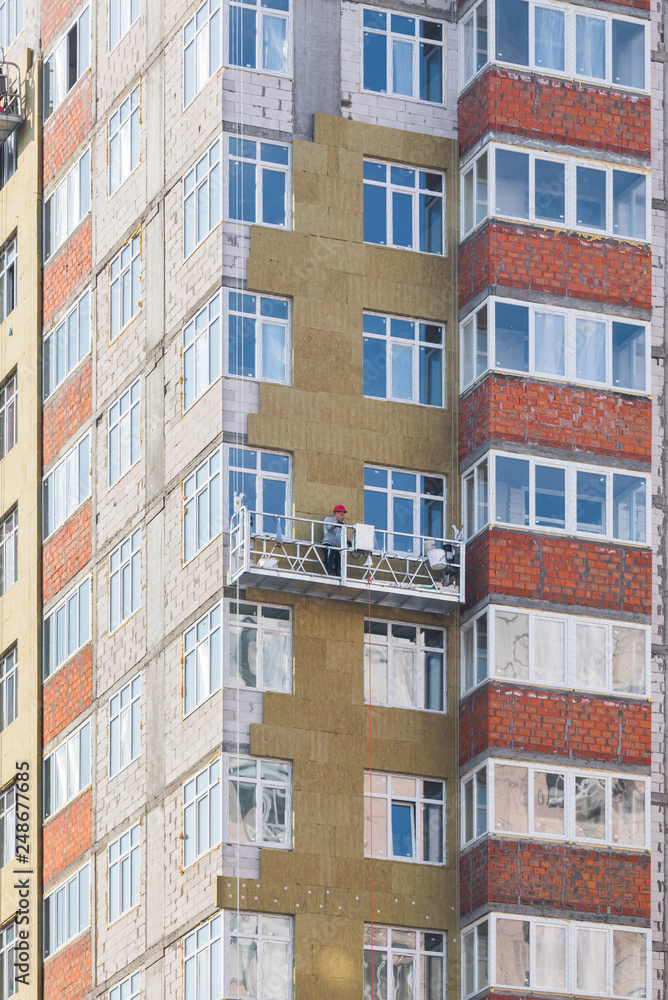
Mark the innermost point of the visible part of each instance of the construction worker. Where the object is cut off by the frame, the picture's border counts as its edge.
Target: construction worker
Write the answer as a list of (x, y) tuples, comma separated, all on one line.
[(331, 540)]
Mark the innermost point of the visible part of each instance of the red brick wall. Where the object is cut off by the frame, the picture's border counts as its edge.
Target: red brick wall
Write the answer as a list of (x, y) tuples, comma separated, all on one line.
[(67, 836), (67, 693), (565, 570), (66, 411), (67, 127), (589, 727), (66, 553), (68, 975), (512, 408), (56, 15), (536, 106), (588, 881), (591, 268), (67, 269)]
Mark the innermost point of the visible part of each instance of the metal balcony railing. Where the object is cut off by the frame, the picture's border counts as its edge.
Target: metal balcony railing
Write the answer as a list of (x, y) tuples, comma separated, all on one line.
[(416, 572), (11, 107)]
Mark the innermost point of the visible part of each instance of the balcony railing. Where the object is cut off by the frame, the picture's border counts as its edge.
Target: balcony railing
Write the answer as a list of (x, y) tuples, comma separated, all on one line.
[(416, 572), (11, 108)]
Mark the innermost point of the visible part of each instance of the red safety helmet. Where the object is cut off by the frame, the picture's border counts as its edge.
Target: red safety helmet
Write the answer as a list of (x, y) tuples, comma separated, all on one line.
[(340, 507)]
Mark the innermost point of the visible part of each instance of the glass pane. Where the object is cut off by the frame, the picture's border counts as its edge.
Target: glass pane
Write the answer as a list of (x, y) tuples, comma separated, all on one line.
[(628, 812), (511, 638), (375, 221), (590, 47), (375, 61), (628, 204), (628, 356), (590, 655), (403, 830), (379, 843), (591, 202), (591, 961), (512, 174), (549, 29), (591, 493), (402, 219), (512, 491), (589, 807), (511, 798), (402, 67), (512, 953), (628, 659), (549, 651), (511, 336), (628, 54), (375, 978), (550, 968), (512, 31), (549, 340), (590, 350), (548, 803), (550, 498), (550, 197), (629, 964), (629, 514)]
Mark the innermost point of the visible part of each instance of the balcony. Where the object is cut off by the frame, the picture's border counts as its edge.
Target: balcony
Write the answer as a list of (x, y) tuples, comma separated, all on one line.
[(420, 574), (11, 107)]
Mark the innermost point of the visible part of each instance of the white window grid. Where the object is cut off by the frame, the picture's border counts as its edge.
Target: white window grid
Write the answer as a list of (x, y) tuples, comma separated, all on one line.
[(422, 187), (400, 654), (7, 824), (265, 940), (202, 199), (125, 726), (8, 960), (9, 278), (122, 15), (123, 874), (265, 480), (267, 796), (269, 358), (125, 580), (67, 344), (571, 470), (595, 789), (201, 660), (479, 29), (425, 32), (425, 503), (403, 956), (259, 649), (67, 770), (67, 627), (8, 394), (128, 988), (202, 506), (203, 961), (67, 205), (9, 527), (570, 976), (478, 346), (201, 813), (67, 62), (124, 287), (201, 347), (252, 201), (425, 800), (409, 346), (487, 197), (271, 48), (479, 650), (67, 486), (8, 158), (11, 22), (9, 680), (202, 48), (124, 437), (67, 911), (123, 139)]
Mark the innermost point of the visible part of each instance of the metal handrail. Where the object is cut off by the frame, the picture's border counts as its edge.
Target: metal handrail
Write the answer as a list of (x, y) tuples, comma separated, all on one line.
[(10, 89)]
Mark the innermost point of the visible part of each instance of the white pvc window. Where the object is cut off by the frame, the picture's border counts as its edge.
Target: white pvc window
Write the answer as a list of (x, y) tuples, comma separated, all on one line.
[(67, 486), (542, 495), (202, 199), (203, 961), (124, 140), (8, 415), (555, 191), (403, 964), (263, 477), (8, 825), (9, 553), (67, 911), (259, 802), (122, 15), (67, 627), (67, 205), (8, 158), (125, 580), (201, 813), (403, 507), (67, 770), (473, 42), (202, 507), (403, 360), (124, 436), (404, 818), (564, 344), (9, 279), (8, 955), (124, 287), (404, 207), (555, 956), (403, 56), (123, 874), (9, 680), (202, 48), (125, 726), (67, 344), (259, 960), (260, 36), (258, 337), (525, 800), (260, 647), (201, 351), (258, 182), (128, 988), (201, 660), (407, 665), (67, 62), (517, 645), (11, 25)]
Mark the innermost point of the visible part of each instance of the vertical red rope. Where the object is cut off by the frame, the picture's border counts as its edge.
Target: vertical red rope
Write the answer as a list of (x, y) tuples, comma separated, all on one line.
[(370, 780)]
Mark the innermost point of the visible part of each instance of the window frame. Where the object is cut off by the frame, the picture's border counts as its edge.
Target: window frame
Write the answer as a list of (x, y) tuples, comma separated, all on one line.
[(230, 916), (76, 455), (52, 926), (259, 320), (416, 60), (8, 807), (61, 192), (64, 606), (121, 5), (81, 68), (382, 536), (261, 785), (421, 650), (117, 275), (392, 188), (419, 801), (133, 983), (135, 553), (81, 309), (261, 166), (258, 68), (191, 816), (9, 550), (261, 476), (213, 626), (130, 709), (132, 122), (468, 330), (213, 948), (416, 345), (190, 191), (9, 277), (8, 959), (8, 414), (418, 952), (73, 749), (212, 471), (133, 861), (571, 165), (196, 46), (124, 426), (261, 631), (9, 682)]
